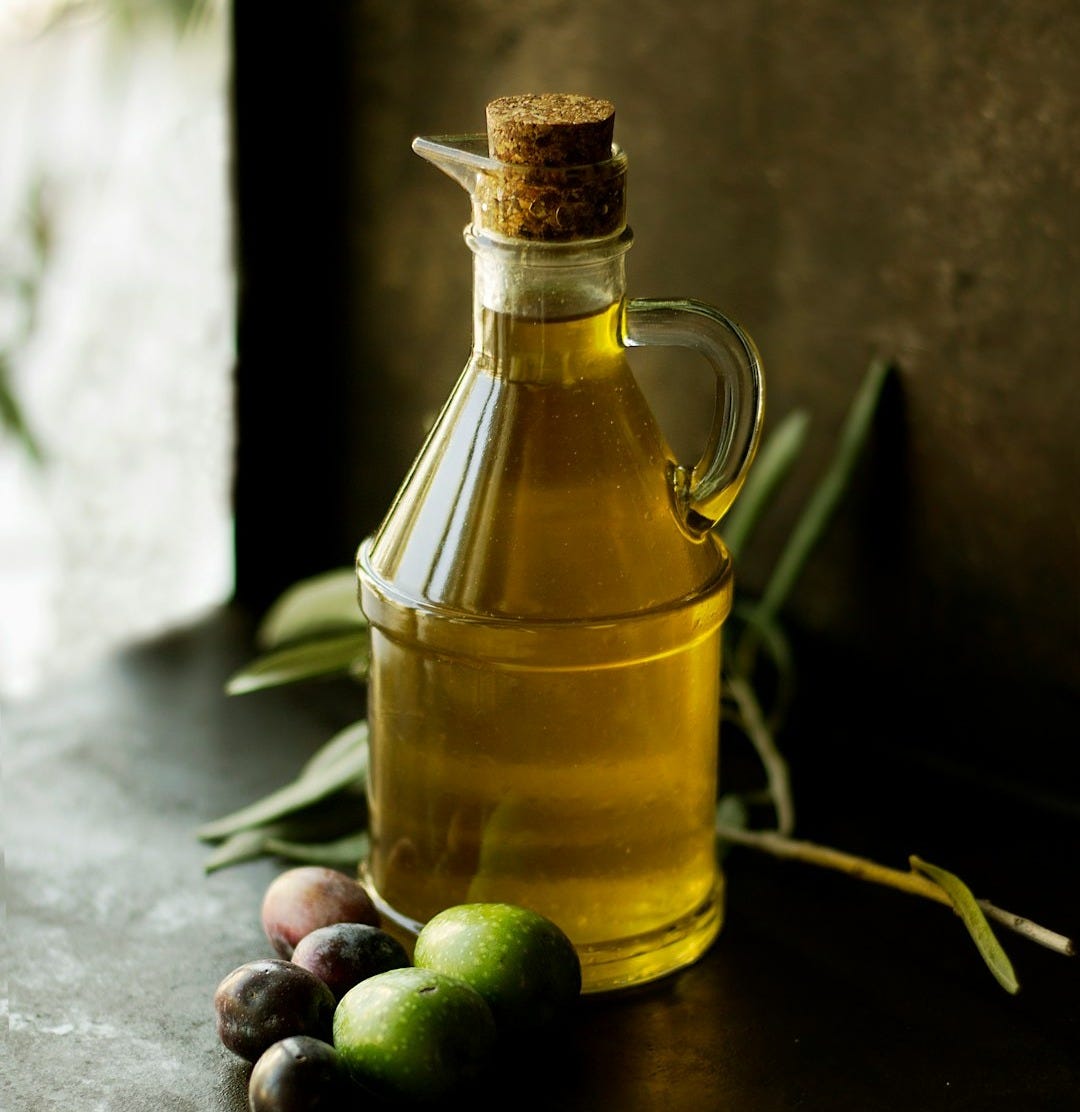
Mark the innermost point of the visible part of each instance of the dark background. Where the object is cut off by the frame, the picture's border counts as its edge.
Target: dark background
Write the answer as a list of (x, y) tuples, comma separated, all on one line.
[(848, 182)]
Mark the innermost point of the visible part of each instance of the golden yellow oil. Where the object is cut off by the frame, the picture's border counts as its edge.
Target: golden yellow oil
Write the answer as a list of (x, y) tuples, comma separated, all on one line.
[(544, 690)]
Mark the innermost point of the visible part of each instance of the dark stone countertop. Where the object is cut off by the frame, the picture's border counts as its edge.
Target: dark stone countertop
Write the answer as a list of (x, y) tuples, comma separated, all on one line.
[(822, 993)]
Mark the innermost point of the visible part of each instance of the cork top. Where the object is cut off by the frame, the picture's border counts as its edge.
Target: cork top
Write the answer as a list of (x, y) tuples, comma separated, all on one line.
[(561, 179), (550, 129)]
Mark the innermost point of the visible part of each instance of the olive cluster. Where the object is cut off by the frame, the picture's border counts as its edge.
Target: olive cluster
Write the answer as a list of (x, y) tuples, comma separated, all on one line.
[(343, 1014), (278, 1012)]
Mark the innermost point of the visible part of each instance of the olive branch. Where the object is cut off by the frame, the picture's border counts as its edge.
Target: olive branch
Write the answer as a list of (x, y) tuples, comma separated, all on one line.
[(315, 629)]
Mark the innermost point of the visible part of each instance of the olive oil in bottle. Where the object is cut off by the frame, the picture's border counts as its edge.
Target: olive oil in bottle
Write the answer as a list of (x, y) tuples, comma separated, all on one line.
[(546, 606)]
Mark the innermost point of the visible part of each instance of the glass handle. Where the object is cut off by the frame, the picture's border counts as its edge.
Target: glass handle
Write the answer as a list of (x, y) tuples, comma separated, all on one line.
[(705, 493)]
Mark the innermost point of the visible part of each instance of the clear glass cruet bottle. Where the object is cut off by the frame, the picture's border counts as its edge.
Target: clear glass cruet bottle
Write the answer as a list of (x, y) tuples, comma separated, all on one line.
[(546, 592)]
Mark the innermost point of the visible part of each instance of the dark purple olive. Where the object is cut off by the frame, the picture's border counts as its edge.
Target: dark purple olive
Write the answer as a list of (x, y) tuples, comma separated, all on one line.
[(261, 1002), (344, 954), (307, 897), (301, 1074)]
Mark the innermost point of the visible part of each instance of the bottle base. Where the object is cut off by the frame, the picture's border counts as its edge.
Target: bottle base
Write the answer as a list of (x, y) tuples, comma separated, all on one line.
[(640, 959), (612, 965)]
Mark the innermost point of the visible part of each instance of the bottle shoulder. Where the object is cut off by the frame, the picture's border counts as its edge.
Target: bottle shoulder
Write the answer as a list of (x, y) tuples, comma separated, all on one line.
[(543, 500)]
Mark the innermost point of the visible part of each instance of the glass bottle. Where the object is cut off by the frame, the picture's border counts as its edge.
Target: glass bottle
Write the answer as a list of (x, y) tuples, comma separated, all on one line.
[(546, 592)]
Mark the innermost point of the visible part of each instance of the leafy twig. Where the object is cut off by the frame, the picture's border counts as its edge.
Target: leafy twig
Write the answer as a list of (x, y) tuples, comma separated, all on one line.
[(320, 606), (316, 629), (966, 906), (774, 460), (347, 768), (818, 510), (344, 654), (343, 852), (862, 868), (759, 625), (320, 823)]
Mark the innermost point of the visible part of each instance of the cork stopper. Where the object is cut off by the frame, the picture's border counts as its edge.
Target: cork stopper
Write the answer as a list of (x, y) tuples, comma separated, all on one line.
[(560, 178), (550, 129)]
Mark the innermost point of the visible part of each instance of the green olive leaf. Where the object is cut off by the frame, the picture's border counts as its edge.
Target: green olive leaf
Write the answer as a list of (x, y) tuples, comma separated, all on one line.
[(345, 770), (826, 495), (973, 918), (313, 607), (774, 460), (335, 817), (330, 752), (343, 853), (244, 845), (345, 654)]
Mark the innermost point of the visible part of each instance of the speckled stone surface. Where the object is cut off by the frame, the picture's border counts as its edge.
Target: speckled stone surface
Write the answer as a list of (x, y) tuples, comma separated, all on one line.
[(820, 993), (116, 938)]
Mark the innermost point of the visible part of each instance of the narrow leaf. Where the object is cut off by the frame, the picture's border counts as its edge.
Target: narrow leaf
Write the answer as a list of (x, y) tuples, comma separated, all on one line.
[(244, 845), (341, 655), (349, 767), (344, 741), (316, 606), (774, 460), (825, 497), (968, 909), (342, 853), (324, 821)]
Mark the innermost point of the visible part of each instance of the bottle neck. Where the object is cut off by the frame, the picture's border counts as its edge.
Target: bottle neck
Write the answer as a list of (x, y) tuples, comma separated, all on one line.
[(545, 297)]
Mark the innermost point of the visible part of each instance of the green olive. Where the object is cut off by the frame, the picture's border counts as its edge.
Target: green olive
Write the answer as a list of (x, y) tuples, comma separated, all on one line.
[(519, 961), (414, 1035)]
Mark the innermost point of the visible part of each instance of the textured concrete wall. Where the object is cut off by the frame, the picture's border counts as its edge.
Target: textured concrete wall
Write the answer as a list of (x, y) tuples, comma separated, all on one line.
[(846, 181)]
